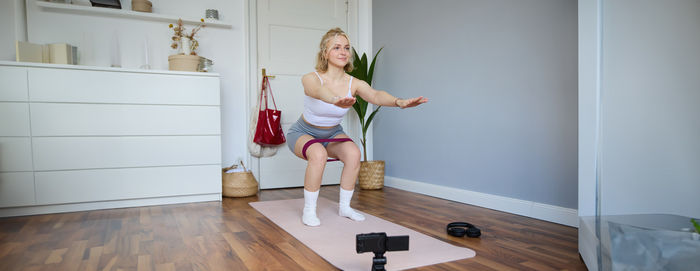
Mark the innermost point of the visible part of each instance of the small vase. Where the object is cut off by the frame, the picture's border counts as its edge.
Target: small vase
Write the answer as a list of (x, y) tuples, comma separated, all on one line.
[(185, 46)]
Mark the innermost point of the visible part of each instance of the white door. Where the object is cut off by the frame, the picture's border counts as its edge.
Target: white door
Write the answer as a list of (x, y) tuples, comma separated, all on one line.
[(288, 35)]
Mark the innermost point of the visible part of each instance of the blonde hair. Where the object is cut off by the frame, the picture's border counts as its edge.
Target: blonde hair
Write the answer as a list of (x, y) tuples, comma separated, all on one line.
[(321, 61)]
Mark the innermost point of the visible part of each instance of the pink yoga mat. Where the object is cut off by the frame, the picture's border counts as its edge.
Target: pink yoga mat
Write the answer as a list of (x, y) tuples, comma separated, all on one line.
[(334, 240)]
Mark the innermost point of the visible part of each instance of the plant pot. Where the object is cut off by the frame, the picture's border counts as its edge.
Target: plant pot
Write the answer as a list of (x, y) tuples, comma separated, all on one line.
[(141, 5), (371, 175), (186, 63)]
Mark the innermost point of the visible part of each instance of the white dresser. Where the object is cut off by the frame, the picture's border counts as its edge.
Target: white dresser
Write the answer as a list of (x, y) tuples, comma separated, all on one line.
[(80, 138)]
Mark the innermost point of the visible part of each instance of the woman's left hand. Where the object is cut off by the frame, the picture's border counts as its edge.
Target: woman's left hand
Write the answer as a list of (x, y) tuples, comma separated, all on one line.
[(406, 103)]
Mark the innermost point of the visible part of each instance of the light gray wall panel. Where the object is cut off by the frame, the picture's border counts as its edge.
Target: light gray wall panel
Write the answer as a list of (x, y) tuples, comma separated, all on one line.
[(501, 77)]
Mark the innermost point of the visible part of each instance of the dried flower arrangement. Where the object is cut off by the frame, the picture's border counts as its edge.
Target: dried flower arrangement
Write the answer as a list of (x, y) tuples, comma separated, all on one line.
[(180, 34)]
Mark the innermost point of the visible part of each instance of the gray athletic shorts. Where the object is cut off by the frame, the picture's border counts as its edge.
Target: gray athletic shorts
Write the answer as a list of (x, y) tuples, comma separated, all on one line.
[(301, 128)]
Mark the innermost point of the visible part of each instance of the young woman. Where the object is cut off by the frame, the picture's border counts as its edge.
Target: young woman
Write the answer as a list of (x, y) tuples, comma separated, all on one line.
[(330, 93)]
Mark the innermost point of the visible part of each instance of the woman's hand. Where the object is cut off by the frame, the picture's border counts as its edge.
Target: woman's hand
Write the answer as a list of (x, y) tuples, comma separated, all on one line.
[(406, 103), (344, 102)]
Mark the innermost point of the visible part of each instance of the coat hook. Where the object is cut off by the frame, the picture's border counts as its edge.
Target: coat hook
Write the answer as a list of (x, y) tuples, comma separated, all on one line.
[(264, 74)]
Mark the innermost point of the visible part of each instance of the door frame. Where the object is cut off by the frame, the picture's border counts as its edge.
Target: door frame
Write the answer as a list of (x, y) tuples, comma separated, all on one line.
[(360, 31)]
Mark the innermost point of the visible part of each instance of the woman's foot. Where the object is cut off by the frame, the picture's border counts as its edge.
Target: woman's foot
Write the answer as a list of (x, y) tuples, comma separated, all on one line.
[(344, 209), (310, 219), (309, 213)]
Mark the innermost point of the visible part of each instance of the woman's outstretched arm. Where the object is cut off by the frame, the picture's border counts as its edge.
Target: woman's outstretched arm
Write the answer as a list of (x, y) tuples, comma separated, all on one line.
[(383, 98), (314, 89)]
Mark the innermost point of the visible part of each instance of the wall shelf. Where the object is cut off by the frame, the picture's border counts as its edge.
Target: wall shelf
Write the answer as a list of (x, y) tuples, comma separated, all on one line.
[(78, 9)]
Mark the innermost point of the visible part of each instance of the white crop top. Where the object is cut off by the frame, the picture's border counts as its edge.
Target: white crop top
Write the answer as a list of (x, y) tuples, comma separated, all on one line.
[(320, 113)]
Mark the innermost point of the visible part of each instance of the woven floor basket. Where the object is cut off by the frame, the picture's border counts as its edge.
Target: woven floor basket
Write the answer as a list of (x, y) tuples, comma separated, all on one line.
[(371, 175), (238, 184)]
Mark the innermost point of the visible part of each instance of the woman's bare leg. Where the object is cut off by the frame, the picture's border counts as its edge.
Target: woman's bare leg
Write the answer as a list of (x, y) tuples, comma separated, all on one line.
[(316, 156), (349, 154)]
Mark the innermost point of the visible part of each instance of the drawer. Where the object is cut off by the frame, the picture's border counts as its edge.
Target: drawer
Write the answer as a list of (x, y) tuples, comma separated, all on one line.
[(15, 154), (59, 119), (60, 85), (14, 84), (54, 187), (14, 119), (16, 189), (59, 153)]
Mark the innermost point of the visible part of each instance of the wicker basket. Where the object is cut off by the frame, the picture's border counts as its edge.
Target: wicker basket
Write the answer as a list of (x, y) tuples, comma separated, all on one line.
[(238, 184), (371, 175)]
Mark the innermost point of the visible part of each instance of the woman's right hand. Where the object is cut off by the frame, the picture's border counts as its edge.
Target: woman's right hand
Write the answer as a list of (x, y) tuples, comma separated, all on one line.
[(344, 102)]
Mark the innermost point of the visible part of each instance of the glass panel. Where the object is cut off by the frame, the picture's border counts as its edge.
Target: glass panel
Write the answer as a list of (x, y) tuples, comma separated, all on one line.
[(649, 168)]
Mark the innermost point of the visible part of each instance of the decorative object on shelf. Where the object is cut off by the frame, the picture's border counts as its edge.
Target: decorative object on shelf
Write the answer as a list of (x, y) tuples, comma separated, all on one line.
[(146, 59), (371, 172), (115, 57), (186, 59), (212, 14), (107, 3), (142, 5), (30, 52), (57, 53), (186, 43), (238, 182), (205, 65), (62, 53), (186, 63)]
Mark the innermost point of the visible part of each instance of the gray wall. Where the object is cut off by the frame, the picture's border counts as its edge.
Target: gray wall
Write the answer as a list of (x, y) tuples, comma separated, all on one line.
[(651, 107), (501, 77)]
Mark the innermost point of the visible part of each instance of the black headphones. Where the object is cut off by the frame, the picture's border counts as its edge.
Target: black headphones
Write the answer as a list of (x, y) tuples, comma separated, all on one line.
[(459, 229)]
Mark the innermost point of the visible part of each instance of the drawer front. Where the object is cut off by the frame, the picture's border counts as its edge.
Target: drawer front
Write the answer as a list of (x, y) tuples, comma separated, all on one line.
[(16, 189), (13, 86), (15, 154), (63, 153), (53, 187), (59, 119), (59, 85), (14, 119)]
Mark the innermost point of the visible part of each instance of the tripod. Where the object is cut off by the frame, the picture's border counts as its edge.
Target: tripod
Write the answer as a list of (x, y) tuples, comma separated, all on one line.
[(378, 261)]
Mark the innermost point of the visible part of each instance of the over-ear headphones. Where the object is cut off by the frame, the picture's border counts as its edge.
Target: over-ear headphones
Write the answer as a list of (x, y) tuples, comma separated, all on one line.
[(459, 229)]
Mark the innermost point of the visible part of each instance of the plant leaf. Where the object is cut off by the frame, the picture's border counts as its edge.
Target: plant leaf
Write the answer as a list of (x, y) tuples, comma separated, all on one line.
[(370, 73), (363, 106), (371, 116), (696, 225), (363, 65)]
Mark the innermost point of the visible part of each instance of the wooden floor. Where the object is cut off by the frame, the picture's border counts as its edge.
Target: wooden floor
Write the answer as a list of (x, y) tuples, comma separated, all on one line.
[(231, 235)]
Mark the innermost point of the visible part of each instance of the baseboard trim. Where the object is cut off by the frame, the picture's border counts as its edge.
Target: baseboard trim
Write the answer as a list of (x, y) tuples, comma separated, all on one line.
[(88, 206), (546, 212)]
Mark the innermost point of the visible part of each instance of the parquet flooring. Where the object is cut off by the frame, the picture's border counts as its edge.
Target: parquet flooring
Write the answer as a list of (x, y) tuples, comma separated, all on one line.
[(231, 235)]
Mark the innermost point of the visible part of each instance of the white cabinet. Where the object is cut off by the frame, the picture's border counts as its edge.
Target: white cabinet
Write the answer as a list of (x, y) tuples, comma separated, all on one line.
[(79, 138)]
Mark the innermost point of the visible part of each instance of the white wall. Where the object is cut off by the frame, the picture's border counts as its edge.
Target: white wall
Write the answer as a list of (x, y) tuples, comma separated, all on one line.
[(12, 27), (650, 107), (95, 37)]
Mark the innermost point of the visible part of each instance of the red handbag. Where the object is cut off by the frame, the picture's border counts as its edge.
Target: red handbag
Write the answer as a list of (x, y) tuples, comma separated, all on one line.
[(269, 130)]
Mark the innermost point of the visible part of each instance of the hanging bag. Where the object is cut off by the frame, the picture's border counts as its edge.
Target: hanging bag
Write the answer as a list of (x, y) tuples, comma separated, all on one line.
[(269, 130)]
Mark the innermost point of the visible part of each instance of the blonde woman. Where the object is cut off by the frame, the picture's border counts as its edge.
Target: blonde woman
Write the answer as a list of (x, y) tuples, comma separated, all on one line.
[(317, 135)]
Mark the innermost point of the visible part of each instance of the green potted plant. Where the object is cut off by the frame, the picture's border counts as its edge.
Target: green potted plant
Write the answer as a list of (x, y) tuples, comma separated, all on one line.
[(371, 172)]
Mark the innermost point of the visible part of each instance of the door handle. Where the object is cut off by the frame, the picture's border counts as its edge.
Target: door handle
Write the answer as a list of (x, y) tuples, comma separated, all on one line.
[(264, 74)]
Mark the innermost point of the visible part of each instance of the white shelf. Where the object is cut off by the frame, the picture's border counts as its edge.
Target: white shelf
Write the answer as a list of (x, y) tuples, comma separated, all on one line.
[(96, 68), (125, 13)]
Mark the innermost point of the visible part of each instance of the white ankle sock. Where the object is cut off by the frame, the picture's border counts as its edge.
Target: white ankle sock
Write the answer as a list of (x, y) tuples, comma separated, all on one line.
[(344, 206), (309, 214)]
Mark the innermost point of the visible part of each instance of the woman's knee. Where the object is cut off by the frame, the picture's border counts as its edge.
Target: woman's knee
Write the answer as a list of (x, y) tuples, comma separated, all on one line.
[(352, 156), (317, 156)]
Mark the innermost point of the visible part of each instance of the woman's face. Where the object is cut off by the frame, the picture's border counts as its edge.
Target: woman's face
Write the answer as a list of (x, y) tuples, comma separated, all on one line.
[(338, 51)]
